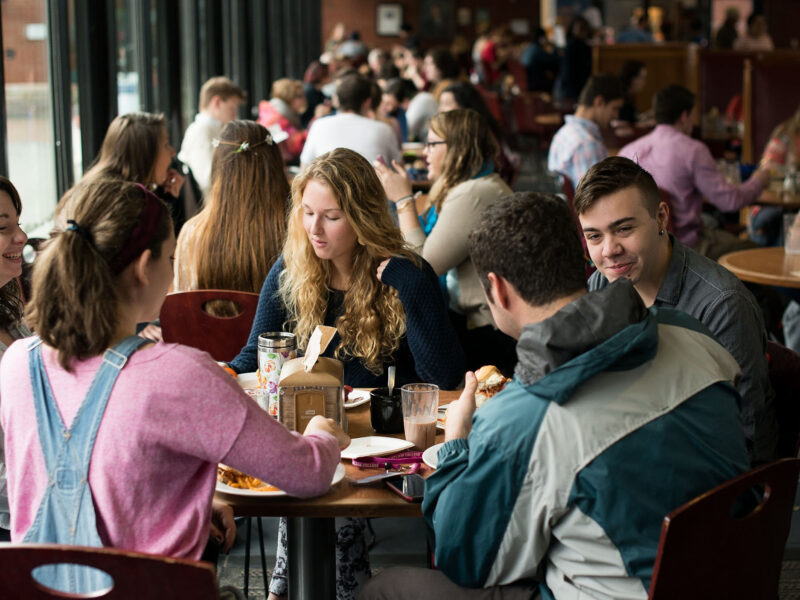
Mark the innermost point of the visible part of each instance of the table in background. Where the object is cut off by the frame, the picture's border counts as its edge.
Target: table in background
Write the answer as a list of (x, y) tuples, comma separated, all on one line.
[(773, 196), (311, 531), (768, 266)]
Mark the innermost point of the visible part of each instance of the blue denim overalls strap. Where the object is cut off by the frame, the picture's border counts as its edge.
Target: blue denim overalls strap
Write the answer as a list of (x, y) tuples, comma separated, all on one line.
[(66, 513)]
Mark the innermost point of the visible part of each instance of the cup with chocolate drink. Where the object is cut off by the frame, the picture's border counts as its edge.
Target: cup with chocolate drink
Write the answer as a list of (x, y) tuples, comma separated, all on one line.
[(420, 401)]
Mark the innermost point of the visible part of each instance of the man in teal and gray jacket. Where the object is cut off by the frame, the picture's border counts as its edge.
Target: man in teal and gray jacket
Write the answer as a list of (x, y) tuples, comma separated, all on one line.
[(558, 485)]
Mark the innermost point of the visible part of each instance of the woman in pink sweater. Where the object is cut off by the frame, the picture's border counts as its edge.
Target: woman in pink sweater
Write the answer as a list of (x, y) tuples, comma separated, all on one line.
[(172, 414)]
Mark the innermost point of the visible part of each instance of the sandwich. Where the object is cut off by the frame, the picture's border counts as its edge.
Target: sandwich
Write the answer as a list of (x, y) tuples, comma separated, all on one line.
[(490, 382)]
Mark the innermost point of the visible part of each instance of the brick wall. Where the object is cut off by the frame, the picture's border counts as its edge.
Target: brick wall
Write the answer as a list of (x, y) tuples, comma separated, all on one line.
[(25, 60)]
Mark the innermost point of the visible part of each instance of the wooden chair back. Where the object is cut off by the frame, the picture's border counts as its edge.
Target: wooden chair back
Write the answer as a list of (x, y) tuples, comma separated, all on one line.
[(784, 366), (764, 109), (184, 320), (705, 552), (135, 575)]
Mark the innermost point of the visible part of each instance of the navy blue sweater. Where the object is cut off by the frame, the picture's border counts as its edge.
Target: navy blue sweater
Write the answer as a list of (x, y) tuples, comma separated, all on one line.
[(429, 352)]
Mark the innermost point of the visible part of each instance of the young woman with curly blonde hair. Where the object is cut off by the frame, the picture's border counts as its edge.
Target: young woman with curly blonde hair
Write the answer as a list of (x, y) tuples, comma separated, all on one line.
[(344, 264), (459, 152)]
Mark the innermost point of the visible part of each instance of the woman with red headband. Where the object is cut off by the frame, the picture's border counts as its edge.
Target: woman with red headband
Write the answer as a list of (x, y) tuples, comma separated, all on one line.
[(111, 440)]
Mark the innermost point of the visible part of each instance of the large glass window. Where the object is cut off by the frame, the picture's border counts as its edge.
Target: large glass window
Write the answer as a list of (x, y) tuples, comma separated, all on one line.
[(128, 99), (75, 111), (31, 146)]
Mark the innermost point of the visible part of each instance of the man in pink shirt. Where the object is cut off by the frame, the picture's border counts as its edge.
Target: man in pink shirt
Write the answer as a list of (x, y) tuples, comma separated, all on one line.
[(685, 168)]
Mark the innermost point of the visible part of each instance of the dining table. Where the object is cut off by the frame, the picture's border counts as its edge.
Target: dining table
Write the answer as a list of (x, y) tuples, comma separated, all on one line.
[(774, 195), (311, 536), (767, 266)]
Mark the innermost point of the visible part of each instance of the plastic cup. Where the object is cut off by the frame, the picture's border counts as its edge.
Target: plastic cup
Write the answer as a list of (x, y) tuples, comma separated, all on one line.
[(791, 233), (420, 402)]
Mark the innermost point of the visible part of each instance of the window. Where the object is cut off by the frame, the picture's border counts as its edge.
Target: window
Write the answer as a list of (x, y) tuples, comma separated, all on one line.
[(31, 156)]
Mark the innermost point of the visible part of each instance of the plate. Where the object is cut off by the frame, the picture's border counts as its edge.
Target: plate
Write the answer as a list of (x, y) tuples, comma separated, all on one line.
[(248, 380), (338, 475), (413, 146), (431, 456), (357, 398), (375, 445), (440, 416)]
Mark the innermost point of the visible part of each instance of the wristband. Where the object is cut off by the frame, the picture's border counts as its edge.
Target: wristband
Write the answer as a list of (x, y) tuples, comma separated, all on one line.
[(404, 199)]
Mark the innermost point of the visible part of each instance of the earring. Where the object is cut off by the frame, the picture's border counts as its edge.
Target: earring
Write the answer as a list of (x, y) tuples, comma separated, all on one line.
[(661, 232)]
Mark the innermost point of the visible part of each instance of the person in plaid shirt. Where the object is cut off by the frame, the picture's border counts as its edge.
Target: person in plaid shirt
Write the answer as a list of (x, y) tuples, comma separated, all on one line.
[(579, 143)]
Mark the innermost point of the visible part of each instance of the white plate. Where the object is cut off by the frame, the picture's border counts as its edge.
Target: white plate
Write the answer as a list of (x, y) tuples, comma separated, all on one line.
[(431, 456), (411, 146), (356, 398), (248, 380), (440, 415), (374, 445), (338, 475)]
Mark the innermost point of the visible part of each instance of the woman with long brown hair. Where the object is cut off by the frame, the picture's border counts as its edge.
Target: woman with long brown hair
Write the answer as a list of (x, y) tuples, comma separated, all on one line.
[(12, 326), (234, 241), (136, 148), (459, 152), (344, 264)]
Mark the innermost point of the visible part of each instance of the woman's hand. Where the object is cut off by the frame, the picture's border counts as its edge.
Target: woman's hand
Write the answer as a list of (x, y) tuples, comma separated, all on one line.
[(173, 183), (395, 183), (223, 527), (319, 423), (381, 268), (152, 332)]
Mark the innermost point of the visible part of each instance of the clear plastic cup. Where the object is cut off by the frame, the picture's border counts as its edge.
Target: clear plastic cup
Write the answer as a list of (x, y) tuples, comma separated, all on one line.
[(420, 403)]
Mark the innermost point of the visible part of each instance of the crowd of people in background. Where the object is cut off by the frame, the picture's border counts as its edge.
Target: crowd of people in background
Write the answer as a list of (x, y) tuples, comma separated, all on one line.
[(311, 206)]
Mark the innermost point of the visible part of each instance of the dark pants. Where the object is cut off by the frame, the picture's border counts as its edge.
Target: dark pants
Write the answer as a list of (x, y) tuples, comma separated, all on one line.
[(485, 346), (413, 583)]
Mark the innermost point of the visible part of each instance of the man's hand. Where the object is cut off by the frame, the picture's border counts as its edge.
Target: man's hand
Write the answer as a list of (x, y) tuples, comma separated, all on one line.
[(459, 413)]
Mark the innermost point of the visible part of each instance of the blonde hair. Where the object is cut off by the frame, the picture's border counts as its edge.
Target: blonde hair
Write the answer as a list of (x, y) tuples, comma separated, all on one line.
[(240, 232), (75, 296), (222, 87), (470, 146), (287, 89), (373, 319)]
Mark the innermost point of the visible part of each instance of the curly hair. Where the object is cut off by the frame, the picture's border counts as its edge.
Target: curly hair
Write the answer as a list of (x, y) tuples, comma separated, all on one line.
[(373, 319), (470, 146)]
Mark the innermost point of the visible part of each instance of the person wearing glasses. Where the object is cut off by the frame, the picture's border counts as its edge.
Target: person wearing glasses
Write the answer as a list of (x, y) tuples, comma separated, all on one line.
[(459, 152)]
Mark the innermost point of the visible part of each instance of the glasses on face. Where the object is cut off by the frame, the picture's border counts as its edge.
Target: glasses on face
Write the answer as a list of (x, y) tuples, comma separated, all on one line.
[(429, 145)]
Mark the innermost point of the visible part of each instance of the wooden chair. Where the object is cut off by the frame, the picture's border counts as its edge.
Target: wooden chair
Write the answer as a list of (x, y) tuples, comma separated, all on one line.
[(784, 366), (184, 320), (705, 552), (135, 575)]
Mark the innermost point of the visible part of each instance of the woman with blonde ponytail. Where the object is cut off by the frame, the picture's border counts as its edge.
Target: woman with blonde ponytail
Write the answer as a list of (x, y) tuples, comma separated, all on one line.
[(344, 264), (131, 432)]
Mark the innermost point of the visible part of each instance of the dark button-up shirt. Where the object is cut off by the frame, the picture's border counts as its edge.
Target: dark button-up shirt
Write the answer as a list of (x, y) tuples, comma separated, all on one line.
[(715, 297)]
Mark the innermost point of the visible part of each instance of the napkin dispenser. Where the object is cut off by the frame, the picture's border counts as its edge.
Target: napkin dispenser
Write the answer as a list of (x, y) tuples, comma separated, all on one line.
[(311, 386)]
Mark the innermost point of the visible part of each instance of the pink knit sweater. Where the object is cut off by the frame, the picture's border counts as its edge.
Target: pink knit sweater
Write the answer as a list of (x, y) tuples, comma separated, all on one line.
[(172, 416)]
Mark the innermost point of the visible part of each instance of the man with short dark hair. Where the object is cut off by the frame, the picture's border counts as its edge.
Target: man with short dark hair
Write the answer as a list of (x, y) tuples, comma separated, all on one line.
[(350, 128), (579, 142), (219, 104), (616, 415), (685, 168), (624, 222)]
